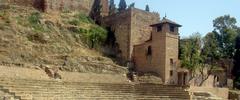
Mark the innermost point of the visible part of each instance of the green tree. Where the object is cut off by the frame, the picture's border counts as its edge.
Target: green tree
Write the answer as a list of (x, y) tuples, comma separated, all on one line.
[(96, 36), (190, 52), (132, 5), (122, 5), (96, 12), (147, 8), (210, 54), (228, 39), (211, 51), (225, 26), (236, 68), (112, 7)]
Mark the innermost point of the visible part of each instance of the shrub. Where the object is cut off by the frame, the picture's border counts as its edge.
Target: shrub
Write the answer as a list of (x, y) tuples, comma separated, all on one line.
[(83, 18), (96, 36), (34, 18), (75, 22), (35, 23)]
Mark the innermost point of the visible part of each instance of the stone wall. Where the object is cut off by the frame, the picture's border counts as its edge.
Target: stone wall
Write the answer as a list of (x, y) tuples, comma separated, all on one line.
[(120, 24), (234, 95), (219, 92), (131, 27), (140, 26), (84, 6)]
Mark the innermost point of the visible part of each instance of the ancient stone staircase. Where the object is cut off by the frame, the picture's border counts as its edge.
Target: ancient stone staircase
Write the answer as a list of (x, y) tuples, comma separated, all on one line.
[(56, 90)]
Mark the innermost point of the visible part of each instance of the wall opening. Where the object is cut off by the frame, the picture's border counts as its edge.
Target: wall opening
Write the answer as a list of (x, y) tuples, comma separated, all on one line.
[(159, 28), (111, 39), (172, 28), (149, 54), (171, 73), (171, 62), (149, 51)]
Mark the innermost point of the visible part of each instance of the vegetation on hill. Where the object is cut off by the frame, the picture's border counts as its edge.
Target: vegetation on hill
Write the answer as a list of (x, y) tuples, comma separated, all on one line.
[(30, 38)]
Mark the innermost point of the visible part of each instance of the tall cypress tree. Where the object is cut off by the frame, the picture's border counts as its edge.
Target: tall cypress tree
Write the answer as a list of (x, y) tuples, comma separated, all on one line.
[(122, 5), (96, 12), (236, 68), (132, 5), (147, 8), (112, 7)]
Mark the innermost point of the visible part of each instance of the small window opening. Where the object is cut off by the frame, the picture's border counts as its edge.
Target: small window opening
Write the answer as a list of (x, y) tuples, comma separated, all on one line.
[(171, 62), (172, 28), (149, 51), (159, 28), (171, 72)]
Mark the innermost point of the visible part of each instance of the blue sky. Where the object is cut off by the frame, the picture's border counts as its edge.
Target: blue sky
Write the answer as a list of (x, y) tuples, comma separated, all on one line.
[(194, 15)]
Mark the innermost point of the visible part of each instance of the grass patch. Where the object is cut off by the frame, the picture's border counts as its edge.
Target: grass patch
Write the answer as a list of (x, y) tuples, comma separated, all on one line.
[(5, 16), (35, 22), (80, 18)]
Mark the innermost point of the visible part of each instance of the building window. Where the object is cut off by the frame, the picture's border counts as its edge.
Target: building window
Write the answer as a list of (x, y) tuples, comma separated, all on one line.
[(149, 51), (149, 54), (171, 62), (171, 28), (159, 28), (171, 72)]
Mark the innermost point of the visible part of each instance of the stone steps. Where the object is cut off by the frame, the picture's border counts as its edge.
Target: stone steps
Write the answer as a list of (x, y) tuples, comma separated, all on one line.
[(53, 90), (6, 96)]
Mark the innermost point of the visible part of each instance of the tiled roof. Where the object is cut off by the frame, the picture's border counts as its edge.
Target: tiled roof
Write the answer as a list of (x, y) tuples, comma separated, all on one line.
[(165, 20)]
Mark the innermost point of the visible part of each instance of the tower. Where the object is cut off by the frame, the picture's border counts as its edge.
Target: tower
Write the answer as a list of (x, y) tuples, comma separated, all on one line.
[(165, 41)]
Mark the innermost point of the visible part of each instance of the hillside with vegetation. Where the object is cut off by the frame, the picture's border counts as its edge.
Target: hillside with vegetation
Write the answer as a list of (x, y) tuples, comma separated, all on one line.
[(70, 40)]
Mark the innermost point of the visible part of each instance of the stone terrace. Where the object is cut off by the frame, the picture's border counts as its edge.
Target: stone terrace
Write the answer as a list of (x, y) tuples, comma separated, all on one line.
[(34, 84), (54, 90)]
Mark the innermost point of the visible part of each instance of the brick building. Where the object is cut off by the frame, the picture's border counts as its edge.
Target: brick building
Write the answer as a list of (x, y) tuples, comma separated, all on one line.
[(160, 53), (149, 43)]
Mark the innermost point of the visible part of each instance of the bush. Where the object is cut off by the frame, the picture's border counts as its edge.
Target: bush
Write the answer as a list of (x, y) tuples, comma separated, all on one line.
[(35, 22), (80, 18), (96, 36), (75, 22), (34, 18)]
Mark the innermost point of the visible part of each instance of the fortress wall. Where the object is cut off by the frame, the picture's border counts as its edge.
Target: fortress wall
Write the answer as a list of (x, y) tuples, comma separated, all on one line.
[(131, 27), (120, 24), (84, 6), (140, 26)]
